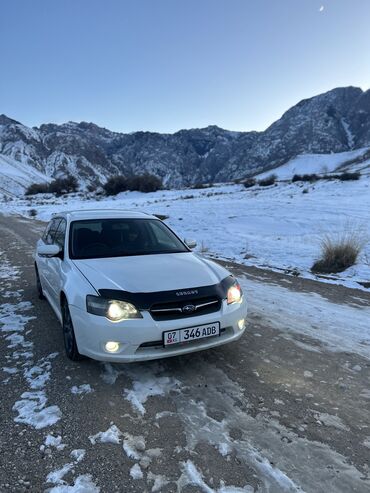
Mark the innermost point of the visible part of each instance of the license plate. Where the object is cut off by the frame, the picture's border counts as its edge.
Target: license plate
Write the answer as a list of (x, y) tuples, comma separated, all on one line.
[(191, 333)]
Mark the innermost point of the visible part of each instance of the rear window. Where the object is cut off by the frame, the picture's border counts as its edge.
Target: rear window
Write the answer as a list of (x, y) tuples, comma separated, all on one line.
[(99, 238)]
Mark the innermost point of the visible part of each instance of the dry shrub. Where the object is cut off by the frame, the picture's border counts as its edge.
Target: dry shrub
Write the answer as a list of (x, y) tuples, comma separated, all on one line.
[(249, 182), (266, 182), (141, 183), (339, 251)]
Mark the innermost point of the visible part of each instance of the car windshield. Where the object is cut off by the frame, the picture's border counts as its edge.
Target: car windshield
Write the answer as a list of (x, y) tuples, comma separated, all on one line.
[(99, 238)]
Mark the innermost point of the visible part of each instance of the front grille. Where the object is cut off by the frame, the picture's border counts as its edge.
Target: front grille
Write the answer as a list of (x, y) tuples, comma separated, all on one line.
[(175, 310)]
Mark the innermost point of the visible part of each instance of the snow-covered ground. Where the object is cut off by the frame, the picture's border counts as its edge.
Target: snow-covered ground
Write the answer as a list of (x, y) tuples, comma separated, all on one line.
[(315, 163), (277, 227), (336, 326)]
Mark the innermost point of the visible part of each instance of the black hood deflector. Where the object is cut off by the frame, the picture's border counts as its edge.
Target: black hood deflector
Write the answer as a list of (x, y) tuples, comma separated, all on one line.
[(143, 301)]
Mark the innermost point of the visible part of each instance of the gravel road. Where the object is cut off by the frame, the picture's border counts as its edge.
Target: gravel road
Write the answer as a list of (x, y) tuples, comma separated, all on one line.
[(282, 410)]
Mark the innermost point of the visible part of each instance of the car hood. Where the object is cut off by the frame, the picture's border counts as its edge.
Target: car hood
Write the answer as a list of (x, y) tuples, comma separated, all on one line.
[(150, 273)]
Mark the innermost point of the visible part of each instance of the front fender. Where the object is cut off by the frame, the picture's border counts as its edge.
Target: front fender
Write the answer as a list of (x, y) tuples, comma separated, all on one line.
[(75, 286)]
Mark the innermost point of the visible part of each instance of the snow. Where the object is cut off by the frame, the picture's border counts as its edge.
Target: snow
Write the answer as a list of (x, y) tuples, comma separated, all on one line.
[(11, 371), (82, 389), (32, 410), (112, 435), (224, 449), (37, 376), (11, 320), (349, 134), (313, 163), (277, 463), (145, 385), (7, 271), (342, 327), (331, 420), (52, 441), (134, 446), (17, 340), (16, 176), (57, 476), (82, 484), (136, 472), (159, 481), (194, 477), (78, 454)]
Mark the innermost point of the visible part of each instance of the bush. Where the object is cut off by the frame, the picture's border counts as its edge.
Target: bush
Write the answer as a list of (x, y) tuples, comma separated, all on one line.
[(141, 183), (250, 182), (266, 182), (36, 188), (339, 252), (346, 176), (307, 177), (115, 185), (60, 186), (145, 183)]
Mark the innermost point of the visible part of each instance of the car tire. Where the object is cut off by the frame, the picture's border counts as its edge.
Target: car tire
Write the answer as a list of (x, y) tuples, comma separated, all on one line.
[(70, 344), (38, 285)]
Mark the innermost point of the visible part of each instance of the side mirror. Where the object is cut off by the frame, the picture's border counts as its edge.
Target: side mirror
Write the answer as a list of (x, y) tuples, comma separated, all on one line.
[(48, 250), (190, 243)]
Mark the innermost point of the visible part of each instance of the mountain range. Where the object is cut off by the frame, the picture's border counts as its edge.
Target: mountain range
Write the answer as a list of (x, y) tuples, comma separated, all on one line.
[(336, 121)]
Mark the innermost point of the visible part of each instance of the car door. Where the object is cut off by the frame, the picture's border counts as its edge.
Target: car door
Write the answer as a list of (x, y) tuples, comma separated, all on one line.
[(43, 262), (55, 263)]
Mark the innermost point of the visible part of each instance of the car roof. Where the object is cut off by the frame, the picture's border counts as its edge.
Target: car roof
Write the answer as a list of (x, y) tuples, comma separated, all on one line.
[(75, 215)]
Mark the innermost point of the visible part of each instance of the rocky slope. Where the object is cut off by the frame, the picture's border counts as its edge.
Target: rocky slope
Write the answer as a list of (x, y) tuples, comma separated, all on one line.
[(336, 121)]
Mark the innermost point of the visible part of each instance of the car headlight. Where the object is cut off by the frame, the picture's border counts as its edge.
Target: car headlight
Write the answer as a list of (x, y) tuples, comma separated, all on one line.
[(234, 294), (113, 310)]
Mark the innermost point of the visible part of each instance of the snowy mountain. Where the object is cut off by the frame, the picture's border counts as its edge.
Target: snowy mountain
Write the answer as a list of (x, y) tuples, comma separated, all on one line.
[(337, 121)]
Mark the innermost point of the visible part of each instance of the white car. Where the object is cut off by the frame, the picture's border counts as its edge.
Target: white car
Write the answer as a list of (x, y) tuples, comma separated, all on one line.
[(126, 288)]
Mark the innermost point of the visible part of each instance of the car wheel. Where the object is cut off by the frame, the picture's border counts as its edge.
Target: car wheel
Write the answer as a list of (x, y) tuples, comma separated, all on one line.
[(70, 344), (38, 285)]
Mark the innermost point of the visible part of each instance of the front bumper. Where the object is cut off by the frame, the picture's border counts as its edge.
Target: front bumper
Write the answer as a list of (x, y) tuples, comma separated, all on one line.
[(92, 332)]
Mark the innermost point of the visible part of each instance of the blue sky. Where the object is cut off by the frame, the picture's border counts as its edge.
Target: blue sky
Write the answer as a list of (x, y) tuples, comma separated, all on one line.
[(163, 65)]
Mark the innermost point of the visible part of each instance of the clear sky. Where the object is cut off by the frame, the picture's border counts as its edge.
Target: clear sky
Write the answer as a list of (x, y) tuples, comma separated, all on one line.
[(163, 65)]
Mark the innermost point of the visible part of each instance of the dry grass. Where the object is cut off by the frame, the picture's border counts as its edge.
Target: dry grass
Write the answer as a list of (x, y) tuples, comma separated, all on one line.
[(339, 251)]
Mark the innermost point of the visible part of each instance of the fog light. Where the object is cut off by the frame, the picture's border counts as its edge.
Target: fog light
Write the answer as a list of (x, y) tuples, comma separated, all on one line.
[(112, 347), (241, 324)]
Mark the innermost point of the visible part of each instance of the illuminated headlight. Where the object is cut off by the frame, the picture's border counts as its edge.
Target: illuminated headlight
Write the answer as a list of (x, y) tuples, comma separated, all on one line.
[(113, 310), (234, 294)]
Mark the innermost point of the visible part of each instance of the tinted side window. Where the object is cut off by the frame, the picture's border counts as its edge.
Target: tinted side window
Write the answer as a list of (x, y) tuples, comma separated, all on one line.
[(61, 234), (50, 232)]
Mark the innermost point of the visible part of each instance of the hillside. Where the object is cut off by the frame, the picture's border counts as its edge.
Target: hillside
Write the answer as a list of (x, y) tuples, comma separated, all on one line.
[(334, 122)]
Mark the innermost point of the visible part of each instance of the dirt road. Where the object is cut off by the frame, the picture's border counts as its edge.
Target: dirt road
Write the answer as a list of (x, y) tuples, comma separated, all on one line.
[(286, 409)]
